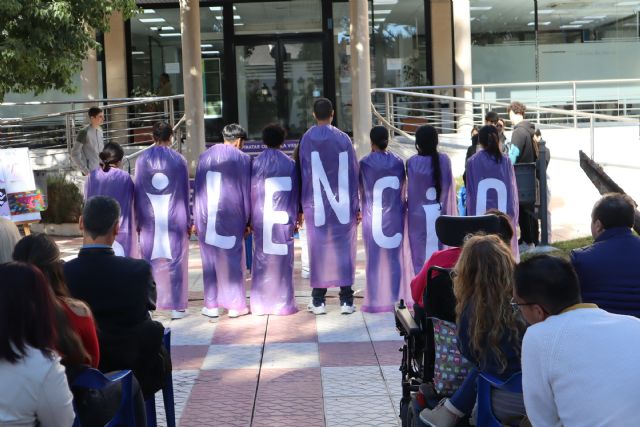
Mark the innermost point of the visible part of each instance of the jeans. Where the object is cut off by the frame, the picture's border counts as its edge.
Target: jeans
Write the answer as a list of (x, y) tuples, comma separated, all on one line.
[(346, 295), (464, 399)]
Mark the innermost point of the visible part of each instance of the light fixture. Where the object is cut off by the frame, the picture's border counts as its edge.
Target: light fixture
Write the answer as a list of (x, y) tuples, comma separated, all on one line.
[(238, 24), (153, 28), (628, 3), (170, 34), (205, 45), (570, 26), (580, 22), (236, 17), (384, 2), (476, 8), (595, 17), (379, 19), (137, 52), (167, 28), (210, 52), (542, 12), (532, 24), (147, 11), (149, 20), (216, 8), (380, 11)]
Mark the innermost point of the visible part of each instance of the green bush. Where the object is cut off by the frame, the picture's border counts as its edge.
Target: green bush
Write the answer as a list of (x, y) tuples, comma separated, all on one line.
[(64, 201)]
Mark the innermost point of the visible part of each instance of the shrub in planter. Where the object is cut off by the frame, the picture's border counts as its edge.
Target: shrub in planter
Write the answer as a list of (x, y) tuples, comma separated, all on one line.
[(64, 201)]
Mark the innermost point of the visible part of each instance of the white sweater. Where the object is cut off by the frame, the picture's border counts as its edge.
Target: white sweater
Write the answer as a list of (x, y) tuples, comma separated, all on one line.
[(581, 368), (33, 389)]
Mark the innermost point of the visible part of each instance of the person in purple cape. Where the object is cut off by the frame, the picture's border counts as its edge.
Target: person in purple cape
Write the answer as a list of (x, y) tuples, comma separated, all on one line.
[(382, 180), (274, 209), (162, 213), (329, 170), (221, 213), (431, 192), (110, 180), (491, 181)]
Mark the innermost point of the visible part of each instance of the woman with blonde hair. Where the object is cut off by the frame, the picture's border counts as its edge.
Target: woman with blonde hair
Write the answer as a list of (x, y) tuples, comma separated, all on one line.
[(9, 236), (489, 331)]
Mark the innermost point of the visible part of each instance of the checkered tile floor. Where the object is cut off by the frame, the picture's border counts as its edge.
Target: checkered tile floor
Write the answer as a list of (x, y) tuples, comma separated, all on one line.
[(329, 370)]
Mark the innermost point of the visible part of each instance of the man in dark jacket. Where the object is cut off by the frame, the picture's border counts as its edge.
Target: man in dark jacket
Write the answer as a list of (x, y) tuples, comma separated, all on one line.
[(524, 152), (609, 270), (120, 292)]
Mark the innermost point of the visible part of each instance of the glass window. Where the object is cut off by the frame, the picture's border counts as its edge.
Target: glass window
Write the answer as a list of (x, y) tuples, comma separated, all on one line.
[(299, 16)]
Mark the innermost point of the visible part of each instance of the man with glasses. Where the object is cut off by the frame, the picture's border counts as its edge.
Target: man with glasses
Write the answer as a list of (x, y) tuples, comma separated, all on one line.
[(579, 363)]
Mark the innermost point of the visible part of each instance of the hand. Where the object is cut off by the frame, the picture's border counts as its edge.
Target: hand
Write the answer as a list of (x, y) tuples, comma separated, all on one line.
[(247, 230), (192, 230), (300, 220), (358, 217)]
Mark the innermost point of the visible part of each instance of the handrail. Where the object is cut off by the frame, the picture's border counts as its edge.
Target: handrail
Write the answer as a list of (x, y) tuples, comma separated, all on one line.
[(520, 84), (137, 153), (86, 101)]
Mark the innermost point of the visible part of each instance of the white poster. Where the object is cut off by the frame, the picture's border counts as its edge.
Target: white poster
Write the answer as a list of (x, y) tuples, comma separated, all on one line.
[(16, 176)]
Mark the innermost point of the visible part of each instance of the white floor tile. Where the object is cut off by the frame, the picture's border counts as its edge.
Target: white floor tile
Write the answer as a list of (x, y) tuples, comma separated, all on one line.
[(291, 355), (233, 356)]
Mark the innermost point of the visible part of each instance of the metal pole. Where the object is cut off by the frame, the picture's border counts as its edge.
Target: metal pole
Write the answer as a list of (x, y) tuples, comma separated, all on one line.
[(592, 137), (387, 107), (483, 104), (544, 202), (575, 105), (67, 129), (172, 119)]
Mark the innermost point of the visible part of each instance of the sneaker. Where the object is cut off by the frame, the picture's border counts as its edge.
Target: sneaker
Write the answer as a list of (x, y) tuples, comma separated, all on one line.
[(238, 313), (320, 309), (440, 416), (347, 309), (178, 314), (525, 247), (211, 312), (305, 274)]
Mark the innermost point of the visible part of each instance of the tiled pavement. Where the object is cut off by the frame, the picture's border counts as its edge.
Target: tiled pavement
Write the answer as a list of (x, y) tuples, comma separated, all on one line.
[(297, 370)]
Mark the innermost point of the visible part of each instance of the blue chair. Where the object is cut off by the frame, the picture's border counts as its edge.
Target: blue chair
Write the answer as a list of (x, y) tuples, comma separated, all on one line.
[(94, 379), (486, 382), (167, 394)]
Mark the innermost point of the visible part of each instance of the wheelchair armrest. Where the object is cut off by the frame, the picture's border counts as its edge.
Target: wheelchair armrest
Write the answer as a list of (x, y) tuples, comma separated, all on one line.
[(405, 322)]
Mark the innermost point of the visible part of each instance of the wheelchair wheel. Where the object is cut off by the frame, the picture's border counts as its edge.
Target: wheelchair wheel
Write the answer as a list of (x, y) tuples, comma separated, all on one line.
[(404, 410), (413, 414)]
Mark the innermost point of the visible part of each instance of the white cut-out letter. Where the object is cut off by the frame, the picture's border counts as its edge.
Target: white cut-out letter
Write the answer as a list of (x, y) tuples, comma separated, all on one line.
[(118, 249), (483, 188), (161, 243), (214, 187), (272, 216), (385, 242), (431, 213), (340, 204)]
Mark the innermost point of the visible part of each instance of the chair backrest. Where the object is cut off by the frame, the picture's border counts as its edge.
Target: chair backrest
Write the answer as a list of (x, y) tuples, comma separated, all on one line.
[(94, 379), (486, 382), (452, 230)]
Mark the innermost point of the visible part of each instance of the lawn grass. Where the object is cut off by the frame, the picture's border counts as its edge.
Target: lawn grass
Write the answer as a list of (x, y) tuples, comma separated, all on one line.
[(564, 247)]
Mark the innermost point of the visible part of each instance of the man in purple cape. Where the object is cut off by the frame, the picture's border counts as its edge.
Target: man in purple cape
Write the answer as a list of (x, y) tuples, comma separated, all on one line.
[(491, 182), (329, 171), (110, 180), (162, 213), (274, 208), (221, 213), (382, 181), (430, 193)]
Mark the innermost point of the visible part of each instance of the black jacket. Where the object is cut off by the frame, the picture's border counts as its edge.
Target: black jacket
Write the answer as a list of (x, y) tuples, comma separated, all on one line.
[(522, 139), (120, 292)]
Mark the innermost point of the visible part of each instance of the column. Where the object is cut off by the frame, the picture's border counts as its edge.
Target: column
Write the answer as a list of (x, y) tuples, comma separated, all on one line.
[(360, 75), (192, 80), (462, 62), (115, 58), (89, 77)]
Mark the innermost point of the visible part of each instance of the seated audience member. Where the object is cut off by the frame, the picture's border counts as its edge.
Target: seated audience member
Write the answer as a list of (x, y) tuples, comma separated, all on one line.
[(33, 386), (9, 236), (609, 269), (120, 292), (40, 250), (447, 258), (489, 331), (579, 362)]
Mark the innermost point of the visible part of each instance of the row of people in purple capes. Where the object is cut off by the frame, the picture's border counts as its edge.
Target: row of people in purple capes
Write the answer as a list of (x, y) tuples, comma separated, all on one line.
[(271, 195)]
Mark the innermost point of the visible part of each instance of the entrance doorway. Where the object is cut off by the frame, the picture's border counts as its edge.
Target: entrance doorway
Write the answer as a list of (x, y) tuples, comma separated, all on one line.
[(278, 80)]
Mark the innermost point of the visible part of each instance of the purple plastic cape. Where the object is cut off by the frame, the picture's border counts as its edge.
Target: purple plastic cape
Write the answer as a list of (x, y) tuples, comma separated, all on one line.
[(274, 209), (382, 181), (162, 212), (118, 184), (492, 185), (330, 202), (423, 207), (221, 213)]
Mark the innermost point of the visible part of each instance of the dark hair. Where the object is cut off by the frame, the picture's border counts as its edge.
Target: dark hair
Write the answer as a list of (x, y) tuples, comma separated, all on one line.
[(100, 215), (506, 229), (111, 154), (40, 249), (94, 111), (517, 107), (26, 312), (537, 132), (549, 281), (273, 135), (233, 131), (164, 76), (491, 117), (322, 108), (379, 137), (427, 145), (614, 210), (489, 139), (475, 129), (162, 131)]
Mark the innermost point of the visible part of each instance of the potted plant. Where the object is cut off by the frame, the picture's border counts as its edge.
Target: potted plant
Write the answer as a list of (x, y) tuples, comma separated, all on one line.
[(64, 207), (411, 77), (142, 129)]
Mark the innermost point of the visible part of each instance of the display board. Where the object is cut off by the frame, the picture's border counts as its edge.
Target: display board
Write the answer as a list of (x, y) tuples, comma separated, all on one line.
[(20, 201)]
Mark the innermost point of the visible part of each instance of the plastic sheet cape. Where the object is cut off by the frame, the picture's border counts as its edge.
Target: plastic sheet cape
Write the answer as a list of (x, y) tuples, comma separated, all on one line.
[(221, 213), (330, 202), (492, 185), (118, 184), (274, 208), (382, 181), (162, 212), (423, 207)]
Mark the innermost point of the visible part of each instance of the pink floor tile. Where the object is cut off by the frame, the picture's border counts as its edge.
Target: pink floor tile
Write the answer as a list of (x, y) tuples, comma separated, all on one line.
[(347, 354), (289, 412), (185, 357), (241, 330), (290, 383), (388, 352), (299, 327)]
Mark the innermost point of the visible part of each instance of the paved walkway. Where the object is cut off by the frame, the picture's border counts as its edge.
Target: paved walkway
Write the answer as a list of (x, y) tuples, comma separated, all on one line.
[(330, 370)]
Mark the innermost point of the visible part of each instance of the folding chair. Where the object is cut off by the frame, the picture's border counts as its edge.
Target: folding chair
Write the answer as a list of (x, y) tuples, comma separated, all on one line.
[(94, 379), (167, 393)]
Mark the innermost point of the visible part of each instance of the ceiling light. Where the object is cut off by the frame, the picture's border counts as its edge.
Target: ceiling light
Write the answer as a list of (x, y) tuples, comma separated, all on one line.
[(167, 28), (238, 24), (206, 45), (595, 17), (380, 11), (219, 17), (481, 8), (216, 8), (137, 52), (628, 3), (153, 28), (149, 20), (531, 24), (170, 34), (570, 26), (542, 12), (236, 17), (580, 22), (210, 52), (376, 2), (379, 19), (149, 11)]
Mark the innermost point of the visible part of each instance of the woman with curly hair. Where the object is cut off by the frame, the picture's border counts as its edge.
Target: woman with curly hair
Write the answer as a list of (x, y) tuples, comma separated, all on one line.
[(489, 331)]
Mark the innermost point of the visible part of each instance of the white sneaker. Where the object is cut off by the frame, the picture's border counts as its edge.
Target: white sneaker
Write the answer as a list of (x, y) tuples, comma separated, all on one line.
[(525, 247), (321, 309), (210, 312), (238, 313), (347, 309), (440, 416), (178, 314), (305, 274)]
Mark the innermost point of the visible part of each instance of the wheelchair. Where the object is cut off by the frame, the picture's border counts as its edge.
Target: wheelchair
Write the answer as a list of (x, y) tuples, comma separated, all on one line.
[(417, 328)]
